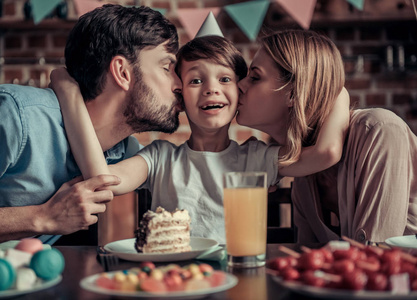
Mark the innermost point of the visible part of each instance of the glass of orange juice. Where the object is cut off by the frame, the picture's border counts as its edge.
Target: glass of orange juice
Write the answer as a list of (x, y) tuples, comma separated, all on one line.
[(245, 201)]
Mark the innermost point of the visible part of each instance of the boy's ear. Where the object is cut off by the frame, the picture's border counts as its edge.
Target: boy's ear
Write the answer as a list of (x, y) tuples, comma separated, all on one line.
[(121, 71)]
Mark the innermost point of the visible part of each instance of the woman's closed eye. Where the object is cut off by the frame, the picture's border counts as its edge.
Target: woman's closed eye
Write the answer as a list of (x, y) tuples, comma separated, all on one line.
[(253, 76)]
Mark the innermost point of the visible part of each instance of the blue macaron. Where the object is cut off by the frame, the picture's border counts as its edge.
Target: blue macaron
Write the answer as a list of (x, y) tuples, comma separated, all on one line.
[(48, 263), (7, 274)]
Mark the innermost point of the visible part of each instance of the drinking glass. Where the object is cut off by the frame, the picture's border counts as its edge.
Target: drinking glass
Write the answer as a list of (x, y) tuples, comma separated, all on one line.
[(245, 199)]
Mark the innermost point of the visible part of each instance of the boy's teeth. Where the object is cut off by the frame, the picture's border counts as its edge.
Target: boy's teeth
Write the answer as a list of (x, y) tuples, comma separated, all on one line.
[(212, 106)]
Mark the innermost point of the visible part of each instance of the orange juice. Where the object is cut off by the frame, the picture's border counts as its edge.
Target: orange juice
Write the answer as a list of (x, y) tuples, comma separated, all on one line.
[(245, 214)]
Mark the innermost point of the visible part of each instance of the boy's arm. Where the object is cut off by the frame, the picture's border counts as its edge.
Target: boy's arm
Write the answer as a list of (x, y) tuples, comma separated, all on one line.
[(85, 145), (329, 146)]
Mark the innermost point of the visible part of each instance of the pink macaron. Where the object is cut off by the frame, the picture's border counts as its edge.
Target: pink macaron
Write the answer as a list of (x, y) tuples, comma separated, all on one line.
[(30, 245)]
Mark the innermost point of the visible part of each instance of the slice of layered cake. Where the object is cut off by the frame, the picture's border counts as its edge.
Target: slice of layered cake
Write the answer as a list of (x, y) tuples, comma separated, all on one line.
[(163, 232)]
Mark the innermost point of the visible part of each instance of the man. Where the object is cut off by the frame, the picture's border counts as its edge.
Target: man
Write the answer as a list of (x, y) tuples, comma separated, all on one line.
[(123, 60)]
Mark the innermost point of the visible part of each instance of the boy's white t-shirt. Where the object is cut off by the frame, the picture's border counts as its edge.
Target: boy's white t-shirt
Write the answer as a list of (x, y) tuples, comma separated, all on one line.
[(179, 177)]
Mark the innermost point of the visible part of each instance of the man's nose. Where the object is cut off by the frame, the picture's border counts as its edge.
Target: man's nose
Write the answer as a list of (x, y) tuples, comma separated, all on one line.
[(177, 84)]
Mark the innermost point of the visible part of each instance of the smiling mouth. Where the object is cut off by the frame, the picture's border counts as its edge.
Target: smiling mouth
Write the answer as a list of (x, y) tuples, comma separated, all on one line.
[(212, 106)]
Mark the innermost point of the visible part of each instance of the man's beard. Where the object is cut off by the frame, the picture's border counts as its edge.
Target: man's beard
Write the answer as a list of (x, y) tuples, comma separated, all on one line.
[(144, 113)]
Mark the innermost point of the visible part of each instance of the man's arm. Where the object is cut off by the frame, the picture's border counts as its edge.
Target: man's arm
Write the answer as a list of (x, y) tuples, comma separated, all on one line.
[(72, 208), (329, 146)]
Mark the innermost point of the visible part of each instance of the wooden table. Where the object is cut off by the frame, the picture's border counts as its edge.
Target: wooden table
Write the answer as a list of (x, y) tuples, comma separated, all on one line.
[(81, 261)]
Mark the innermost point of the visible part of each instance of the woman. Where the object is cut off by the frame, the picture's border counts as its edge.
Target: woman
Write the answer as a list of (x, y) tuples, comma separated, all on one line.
[(292, 85)]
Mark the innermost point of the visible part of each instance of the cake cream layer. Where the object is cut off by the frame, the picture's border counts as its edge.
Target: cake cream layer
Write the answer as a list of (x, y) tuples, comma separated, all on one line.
[(162, 231), (167, 249)]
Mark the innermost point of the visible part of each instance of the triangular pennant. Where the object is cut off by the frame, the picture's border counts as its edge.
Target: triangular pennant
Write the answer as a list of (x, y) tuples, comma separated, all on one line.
[(192, 18), (249, 16), (300, 10), (357, 3), (209, 27), (41, 8), (84, 6)]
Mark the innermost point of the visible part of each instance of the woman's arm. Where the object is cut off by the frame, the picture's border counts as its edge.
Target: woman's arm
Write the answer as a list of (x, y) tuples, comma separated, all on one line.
[(85, 145), (329, 146)]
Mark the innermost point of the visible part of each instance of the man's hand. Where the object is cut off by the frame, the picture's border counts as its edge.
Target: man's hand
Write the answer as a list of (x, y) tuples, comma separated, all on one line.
[(74, 205)]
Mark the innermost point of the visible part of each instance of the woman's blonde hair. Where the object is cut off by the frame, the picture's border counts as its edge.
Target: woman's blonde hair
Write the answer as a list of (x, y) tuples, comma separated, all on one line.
[(312, 67)]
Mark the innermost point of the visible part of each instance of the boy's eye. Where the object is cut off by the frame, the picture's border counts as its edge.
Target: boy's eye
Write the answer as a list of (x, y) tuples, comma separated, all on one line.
[(195, 81), (225, 79)]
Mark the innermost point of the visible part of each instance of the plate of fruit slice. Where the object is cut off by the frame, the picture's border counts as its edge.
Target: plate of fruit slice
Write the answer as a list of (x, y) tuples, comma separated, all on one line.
[(193, 281), (406, 241), (347, 270)]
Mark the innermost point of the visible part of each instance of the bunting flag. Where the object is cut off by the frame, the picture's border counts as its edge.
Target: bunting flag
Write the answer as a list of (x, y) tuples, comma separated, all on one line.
[(357, 3), (300, 10), (41, 8), (192, 19), (84, 6), (249, 16)]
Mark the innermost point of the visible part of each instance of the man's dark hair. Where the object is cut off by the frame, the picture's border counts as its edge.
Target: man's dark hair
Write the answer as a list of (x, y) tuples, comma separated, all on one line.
[(113, 30), (214, 48)]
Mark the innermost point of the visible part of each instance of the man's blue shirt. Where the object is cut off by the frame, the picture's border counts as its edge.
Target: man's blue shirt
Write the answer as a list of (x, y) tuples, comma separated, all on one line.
[(35, 156)]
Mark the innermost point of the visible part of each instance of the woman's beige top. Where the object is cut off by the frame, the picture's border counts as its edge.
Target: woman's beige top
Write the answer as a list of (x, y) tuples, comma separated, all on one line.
[(374, 186)]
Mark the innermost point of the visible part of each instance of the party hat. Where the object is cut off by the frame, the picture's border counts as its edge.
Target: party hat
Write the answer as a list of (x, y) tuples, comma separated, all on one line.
[(209, 27)]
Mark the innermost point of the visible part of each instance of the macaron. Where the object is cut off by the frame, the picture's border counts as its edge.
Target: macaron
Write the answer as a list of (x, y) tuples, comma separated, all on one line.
[(48, 263), (7, 274), (30, 245)]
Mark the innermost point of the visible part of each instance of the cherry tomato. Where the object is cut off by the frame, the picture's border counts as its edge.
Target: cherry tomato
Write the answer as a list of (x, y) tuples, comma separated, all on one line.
[(290, 274), (309, 278), (355, 280), (311, 260), (343, 266), (279, 263), (377, 282)]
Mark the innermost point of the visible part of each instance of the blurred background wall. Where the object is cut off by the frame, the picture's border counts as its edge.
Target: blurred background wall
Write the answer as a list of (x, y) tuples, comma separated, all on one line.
[(378, 44)]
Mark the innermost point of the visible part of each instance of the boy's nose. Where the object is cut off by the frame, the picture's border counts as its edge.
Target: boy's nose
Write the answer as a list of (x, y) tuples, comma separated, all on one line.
[(211, 91)]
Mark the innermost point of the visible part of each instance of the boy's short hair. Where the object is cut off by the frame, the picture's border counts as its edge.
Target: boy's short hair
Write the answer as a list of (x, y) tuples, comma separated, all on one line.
[(111, 30), (214, 48)]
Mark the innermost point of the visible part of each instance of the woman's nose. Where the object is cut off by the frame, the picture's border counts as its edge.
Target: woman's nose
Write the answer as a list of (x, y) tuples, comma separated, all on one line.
[(242, 85)]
